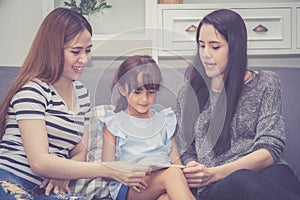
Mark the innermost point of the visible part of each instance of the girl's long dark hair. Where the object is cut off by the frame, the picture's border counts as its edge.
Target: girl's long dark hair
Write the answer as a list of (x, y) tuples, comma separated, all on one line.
[(231, 26)]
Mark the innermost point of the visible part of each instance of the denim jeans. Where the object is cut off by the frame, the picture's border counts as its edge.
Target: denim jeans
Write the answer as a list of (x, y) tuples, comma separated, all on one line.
[(13, 187)]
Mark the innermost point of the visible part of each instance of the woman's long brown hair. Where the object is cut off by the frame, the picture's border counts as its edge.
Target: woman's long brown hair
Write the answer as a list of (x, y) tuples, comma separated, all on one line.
[(45, 59)]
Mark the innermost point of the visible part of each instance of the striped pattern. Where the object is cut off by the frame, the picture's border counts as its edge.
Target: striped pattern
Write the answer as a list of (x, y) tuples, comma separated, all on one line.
[(94, 188), (38, 100)]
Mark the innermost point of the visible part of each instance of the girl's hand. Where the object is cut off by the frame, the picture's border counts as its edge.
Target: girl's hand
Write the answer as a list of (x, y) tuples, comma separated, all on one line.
[(198, 175), (128, 173), (58, 186)]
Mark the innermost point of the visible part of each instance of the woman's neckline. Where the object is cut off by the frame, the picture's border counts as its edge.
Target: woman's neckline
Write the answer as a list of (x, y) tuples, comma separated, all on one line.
[(251, 76), (64, 102)]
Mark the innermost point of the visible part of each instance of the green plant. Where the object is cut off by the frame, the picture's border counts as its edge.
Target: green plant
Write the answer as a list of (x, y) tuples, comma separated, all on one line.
[(88, 7)]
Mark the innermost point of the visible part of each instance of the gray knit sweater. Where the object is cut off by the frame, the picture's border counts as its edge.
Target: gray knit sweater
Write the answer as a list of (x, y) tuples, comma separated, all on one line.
[(257, 123)]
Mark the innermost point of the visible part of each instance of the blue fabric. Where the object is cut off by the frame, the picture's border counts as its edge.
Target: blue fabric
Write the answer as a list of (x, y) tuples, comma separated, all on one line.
[(145, 141), (123, 192), (31, 190), (142, 140), (6, 176)]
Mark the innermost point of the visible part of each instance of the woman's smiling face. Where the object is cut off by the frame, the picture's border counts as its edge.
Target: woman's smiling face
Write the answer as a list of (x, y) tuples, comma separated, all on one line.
[(76, 54), (213, 50)]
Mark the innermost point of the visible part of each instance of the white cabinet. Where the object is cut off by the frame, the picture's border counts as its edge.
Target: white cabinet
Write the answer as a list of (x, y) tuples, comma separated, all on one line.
[(298, 28), (164, 30), (268, 28), (271, 27), (179, 28)]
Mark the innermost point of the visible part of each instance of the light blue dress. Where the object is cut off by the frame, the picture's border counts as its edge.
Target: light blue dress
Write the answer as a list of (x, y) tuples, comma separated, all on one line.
[(144, 141)]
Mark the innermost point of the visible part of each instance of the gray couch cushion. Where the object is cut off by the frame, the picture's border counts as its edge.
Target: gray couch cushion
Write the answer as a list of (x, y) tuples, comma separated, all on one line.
[(99, 80), (7, 75)]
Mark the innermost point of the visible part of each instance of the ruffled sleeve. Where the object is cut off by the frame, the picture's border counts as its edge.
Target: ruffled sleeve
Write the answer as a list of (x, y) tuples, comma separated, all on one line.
[(170, 120), (112, 122)]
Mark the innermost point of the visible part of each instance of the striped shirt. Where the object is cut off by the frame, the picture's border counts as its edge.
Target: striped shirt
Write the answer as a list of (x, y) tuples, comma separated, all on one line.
[(39, 100)]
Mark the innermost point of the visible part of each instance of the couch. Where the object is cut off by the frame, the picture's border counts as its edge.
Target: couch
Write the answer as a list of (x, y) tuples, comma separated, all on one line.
[(98, 81)]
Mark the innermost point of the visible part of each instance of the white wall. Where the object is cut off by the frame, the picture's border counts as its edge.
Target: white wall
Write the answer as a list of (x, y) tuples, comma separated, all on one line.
[(19, 21)]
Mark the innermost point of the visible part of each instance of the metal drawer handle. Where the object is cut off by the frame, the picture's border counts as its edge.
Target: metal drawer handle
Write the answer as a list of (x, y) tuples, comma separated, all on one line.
[(191, 28), (260, 28)]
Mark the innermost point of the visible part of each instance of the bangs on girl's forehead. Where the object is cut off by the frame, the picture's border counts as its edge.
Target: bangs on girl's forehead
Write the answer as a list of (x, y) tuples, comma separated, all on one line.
[(150, 82), (146, 76)]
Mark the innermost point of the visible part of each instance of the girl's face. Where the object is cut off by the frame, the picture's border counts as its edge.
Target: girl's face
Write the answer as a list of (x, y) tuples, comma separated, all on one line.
[(139, 100), (76, 54), (213, 50)]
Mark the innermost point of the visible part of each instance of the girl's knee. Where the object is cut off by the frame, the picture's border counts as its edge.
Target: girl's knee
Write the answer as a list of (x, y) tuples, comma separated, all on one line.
[(173, 172), (163, 197), (14, 190)]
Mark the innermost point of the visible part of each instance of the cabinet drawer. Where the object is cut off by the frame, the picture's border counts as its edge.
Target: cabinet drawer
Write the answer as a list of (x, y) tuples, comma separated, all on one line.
[(176, 23), (298, 28), (277, 22)]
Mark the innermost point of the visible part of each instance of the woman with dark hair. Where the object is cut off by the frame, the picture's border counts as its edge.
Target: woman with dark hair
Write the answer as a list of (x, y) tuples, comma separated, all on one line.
[(44, 117), (230, 125)]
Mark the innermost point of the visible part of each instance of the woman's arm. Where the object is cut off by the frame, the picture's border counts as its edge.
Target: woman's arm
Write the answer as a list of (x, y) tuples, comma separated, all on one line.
[(43, 164), (186, 143), (270, 132), (198, 175), (79, 152), (254, 161), (174, 154), (35, 141)]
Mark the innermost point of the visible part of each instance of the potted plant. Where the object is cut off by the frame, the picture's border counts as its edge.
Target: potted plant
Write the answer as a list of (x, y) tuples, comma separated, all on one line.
[(87, 7)]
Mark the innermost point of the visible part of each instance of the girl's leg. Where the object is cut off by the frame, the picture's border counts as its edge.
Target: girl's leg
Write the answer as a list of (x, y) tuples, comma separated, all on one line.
[(163, 197), (170, 182), (246, 185)]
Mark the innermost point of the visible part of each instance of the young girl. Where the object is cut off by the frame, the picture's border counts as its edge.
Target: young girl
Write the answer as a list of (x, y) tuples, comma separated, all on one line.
[(139, 134)]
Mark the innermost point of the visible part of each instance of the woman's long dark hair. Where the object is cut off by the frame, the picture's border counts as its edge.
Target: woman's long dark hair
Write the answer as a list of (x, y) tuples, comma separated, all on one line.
[(232, 27)]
